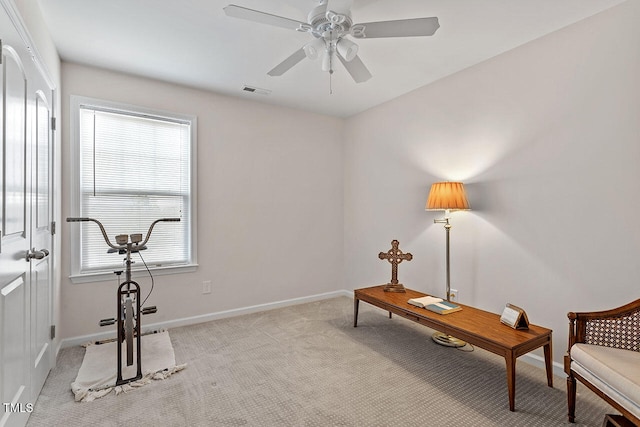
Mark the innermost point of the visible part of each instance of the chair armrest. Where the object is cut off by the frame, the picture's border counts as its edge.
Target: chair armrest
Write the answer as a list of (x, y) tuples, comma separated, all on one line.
[(616, 327)]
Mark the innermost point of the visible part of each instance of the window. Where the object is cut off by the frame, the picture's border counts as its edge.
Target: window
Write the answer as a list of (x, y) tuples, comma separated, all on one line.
[(131, 166)]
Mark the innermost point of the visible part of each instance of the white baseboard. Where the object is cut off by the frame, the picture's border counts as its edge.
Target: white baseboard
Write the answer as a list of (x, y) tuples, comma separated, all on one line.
[(84, 339)]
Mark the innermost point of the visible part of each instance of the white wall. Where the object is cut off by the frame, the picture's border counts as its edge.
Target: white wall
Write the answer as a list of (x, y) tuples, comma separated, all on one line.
[(31, 14), (269, 204), (546, 139)]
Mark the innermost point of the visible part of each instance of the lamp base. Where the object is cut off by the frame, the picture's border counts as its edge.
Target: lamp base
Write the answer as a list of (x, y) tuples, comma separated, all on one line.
[(394, 287), (447, 340)]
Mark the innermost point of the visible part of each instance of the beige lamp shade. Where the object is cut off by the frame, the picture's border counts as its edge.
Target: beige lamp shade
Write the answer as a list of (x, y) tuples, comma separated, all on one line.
[(447, 196)]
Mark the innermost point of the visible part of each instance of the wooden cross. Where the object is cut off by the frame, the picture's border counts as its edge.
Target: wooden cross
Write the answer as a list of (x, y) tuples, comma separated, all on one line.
[(395, 257)]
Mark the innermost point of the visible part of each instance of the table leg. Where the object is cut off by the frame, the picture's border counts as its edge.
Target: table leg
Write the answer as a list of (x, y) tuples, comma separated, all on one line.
[(356, 303), (511, 380), (548, 363)]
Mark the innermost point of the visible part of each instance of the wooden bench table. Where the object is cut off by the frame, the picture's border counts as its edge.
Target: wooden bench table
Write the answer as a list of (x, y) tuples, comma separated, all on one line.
[(477, 327)]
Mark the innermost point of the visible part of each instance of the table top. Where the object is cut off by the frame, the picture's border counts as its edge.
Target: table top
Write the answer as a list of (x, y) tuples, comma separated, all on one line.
[(470, 323)]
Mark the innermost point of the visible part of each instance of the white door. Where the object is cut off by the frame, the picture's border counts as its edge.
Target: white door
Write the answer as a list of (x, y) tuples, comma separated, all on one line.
[(14, 243), (25, 223)]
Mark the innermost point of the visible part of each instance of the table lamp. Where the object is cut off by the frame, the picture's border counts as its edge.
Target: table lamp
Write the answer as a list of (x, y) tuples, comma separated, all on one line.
[(447, 196)]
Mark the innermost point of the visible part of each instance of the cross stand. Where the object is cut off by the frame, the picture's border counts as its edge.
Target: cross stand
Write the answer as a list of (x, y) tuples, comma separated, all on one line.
[(395, 256)]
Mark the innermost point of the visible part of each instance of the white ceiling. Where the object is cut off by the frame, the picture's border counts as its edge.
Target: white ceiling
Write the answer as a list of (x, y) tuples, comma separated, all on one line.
[(193, 43)]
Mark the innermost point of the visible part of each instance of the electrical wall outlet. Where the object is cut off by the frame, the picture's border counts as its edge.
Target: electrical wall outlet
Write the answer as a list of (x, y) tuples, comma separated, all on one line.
[(453, 294), (206, 287)]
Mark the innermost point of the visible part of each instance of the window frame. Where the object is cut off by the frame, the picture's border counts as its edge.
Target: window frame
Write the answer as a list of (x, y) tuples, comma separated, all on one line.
[(78, 102)]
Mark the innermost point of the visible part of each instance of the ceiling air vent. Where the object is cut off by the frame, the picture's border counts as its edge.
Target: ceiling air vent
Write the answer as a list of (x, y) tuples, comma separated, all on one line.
[(256, 90)]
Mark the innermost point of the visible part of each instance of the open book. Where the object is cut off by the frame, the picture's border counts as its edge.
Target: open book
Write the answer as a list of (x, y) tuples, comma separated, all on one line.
[(437, 305)]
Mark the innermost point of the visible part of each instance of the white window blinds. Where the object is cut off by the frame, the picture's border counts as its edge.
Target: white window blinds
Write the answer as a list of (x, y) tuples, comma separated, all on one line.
[(134, 168)]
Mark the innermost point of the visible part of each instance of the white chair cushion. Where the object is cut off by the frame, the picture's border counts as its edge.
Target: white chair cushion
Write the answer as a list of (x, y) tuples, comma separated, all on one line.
[(614, 371)]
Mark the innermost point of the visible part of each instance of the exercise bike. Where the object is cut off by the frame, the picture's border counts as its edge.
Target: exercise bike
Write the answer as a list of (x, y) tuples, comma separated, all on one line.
[(129, 310)]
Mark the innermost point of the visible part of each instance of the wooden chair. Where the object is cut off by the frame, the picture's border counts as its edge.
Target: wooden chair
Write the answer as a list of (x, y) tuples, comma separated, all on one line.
[(617, 328)]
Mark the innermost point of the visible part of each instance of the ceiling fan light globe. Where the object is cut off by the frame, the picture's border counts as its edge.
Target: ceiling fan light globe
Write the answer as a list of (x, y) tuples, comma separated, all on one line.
[(313, 49), (310, 51), (347, 49)]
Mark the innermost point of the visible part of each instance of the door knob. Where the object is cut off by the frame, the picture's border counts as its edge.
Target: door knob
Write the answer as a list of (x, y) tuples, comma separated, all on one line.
[(33, 254)]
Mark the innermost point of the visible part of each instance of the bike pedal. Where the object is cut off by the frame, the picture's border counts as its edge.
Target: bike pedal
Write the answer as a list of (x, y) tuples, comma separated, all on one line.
[(150, 310), (107, 322)]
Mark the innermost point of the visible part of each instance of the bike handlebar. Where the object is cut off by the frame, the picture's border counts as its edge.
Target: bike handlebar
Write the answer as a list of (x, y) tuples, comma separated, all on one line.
[(125, 246)]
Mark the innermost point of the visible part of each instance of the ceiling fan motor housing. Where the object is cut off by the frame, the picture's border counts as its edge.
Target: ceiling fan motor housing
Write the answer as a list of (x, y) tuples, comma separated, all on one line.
[(323, 21)]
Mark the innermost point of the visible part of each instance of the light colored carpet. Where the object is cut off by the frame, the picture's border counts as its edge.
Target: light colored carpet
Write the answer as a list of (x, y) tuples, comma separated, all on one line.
[(98, 372), (307, 365)]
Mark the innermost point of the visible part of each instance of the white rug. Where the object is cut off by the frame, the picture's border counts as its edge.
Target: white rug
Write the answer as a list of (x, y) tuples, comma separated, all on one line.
[(97, 375)]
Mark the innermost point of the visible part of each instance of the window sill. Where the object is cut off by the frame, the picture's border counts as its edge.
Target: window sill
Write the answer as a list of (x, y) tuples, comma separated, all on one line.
[(105, 276)]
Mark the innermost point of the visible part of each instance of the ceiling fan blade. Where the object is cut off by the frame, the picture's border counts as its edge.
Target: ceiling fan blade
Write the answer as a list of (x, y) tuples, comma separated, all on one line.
[(265, 18), (288, 63), (401, 28), (356, 68)]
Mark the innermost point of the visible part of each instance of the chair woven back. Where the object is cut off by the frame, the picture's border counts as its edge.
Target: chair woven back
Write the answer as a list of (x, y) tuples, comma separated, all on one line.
[(619, 332)]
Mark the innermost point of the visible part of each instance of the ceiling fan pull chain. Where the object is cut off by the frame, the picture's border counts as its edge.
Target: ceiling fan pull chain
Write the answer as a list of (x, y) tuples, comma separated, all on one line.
[(330, 75)]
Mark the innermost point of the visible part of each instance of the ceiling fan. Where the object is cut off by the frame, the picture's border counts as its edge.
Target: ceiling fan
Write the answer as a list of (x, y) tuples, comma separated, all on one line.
[(330, 23)]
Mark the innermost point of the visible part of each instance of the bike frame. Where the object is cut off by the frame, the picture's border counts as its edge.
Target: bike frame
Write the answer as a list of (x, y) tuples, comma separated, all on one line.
[(126, 289)]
